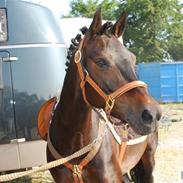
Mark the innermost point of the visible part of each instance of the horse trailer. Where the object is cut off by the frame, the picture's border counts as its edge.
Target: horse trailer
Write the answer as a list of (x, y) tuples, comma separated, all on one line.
[(165, 80), (32, 69)]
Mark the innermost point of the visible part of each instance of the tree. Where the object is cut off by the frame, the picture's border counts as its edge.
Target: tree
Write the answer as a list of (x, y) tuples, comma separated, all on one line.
[(154, 29), (175, 37), (88, 8)]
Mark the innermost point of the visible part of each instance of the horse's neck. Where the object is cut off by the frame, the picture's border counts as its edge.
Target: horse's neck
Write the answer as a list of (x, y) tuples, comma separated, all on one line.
[(71, 122), (71, 100)]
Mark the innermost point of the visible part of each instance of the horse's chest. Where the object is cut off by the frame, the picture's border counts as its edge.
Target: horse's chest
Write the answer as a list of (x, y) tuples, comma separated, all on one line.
[(104, 173), (105, 167)]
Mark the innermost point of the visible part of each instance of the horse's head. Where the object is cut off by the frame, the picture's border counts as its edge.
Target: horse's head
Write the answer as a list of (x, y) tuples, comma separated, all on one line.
[(111, 66)]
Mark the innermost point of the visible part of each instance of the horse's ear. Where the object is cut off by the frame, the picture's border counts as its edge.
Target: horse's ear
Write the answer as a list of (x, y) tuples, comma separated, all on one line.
[(96, 23), (119, 27)]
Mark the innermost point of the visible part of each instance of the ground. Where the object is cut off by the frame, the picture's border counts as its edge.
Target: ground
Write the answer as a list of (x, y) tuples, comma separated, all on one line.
[(169, 155)]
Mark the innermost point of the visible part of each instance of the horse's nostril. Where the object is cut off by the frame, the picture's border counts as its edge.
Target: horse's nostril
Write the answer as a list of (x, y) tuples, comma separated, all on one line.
[(158, 116), (146, 116)]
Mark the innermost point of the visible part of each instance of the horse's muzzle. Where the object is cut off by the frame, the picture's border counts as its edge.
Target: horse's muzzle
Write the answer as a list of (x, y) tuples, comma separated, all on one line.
[(149, 117)]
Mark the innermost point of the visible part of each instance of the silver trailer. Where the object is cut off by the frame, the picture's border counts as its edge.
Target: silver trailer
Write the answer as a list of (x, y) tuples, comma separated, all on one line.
[(32, 69)]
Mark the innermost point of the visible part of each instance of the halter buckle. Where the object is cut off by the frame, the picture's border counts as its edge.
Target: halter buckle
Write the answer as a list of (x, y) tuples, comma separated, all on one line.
[(76, 170), (77, 56), (125, 133), (109, 104)]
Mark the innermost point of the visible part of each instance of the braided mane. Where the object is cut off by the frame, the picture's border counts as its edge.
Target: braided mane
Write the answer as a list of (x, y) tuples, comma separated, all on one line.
[(105, 29)]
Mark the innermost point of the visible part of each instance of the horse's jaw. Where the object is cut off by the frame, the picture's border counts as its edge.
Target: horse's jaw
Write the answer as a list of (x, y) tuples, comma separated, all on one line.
[(139, 127)]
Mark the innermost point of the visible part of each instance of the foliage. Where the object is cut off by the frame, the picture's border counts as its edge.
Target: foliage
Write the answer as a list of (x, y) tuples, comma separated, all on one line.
[(175, 37), (88, 8), (154, 30)]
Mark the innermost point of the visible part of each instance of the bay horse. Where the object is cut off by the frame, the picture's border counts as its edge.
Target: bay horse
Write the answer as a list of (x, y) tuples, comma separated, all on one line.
[(101, 75)]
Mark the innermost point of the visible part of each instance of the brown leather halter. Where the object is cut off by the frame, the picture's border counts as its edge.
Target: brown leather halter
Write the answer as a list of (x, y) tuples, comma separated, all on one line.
[(109, 99)]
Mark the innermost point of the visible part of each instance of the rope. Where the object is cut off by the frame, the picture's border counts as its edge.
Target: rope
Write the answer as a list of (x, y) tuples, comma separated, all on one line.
[(49, 165), (55, 163)]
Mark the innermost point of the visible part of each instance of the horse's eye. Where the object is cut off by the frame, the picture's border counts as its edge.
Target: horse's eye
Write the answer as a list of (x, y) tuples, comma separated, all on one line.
[(102, 63)]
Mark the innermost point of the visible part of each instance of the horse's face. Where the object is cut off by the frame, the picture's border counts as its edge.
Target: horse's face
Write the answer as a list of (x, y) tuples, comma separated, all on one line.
[(111, 66)]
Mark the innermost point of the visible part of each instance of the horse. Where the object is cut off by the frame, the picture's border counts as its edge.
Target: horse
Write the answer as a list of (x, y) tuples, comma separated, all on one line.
[(101, 77)]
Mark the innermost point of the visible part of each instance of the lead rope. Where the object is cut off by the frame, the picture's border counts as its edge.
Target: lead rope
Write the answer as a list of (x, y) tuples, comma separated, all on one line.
[(12, 176), (61, 161), (77, 169)]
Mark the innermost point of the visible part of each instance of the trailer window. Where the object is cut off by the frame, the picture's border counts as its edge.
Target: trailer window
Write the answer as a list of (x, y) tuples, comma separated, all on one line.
[(1, 84), (3, 25), (1, 75)]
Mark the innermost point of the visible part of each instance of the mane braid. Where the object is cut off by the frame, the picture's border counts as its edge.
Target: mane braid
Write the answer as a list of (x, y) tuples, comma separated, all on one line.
[(106, 28), (74, 44)]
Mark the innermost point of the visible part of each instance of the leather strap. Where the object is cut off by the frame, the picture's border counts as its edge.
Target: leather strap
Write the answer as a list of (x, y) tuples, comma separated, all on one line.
[(122, 151), (123, 143), (127, 87)]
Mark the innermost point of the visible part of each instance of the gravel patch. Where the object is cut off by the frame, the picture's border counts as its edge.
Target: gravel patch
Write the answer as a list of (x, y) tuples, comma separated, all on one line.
[(169, 155)]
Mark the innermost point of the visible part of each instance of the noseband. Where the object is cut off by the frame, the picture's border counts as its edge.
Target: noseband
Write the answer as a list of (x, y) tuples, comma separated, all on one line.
[(108, 98)]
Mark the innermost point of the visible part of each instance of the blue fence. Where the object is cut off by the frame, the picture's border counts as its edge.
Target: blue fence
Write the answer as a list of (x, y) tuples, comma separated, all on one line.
[(165, 80)]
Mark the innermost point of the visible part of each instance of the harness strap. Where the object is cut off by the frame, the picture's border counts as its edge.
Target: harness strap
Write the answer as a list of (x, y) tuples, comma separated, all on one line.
[(127, 87), (123, 143), (96, 87), (122, 151), (77, 59), (77, 169)]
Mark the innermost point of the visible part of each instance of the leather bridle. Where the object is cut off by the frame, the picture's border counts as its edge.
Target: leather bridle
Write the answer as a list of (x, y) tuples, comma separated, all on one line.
[(108, 98)]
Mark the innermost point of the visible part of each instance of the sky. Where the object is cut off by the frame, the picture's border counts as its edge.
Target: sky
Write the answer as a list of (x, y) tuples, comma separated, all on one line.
[(59, 7)]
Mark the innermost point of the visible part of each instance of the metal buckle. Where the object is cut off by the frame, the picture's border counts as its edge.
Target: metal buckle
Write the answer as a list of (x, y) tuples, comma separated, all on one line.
[(125, 133), (76, 170), (109, 104), (77, 56)]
